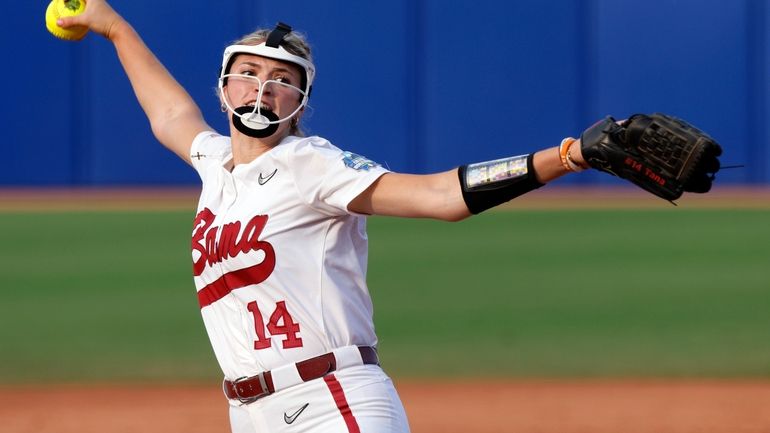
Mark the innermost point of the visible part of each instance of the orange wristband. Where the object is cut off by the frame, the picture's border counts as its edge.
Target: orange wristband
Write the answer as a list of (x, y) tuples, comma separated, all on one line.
[(566, 161)]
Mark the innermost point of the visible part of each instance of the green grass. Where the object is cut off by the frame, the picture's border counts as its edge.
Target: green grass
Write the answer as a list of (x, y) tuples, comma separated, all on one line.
[(99, 296), (591, 293), (675, 293)]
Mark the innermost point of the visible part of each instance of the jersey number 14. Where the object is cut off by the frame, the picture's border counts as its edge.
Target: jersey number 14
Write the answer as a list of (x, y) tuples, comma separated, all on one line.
[(280, 323)]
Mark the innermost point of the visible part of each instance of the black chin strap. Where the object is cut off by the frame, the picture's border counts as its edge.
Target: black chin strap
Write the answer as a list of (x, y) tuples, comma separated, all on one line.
[(276, 36), (260, 132)]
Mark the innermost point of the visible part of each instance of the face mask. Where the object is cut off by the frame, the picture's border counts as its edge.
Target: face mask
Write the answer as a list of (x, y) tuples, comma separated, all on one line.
[(255, 121)]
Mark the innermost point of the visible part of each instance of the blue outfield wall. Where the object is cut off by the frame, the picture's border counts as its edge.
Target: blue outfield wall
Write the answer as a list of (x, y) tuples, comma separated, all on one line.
[(421, 86)]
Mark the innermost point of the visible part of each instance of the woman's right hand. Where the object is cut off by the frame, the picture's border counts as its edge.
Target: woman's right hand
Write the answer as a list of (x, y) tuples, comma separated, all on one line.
[(98, 16)]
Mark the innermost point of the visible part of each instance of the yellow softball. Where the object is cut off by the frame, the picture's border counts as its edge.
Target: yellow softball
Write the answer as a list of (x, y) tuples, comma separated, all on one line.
[(65, 8)]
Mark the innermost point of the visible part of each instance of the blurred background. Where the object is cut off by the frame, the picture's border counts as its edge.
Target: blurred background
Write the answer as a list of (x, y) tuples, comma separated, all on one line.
[(105, 294), (418, 85)]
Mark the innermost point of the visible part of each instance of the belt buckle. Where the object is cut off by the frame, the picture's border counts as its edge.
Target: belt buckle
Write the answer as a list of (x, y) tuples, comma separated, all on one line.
[(242, 381)]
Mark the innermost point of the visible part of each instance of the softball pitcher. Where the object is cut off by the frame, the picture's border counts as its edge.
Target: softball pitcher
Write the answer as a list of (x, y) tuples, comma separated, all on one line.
[(279, 245)]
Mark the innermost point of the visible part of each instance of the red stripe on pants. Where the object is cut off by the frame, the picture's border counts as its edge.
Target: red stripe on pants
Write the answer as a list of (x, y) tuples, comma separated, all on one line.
[(342, 403)]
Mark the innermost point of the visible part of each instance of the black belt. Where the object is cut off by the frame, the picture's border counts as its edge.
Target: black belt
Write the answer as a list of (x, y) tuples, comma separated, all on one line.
[(251, 389)]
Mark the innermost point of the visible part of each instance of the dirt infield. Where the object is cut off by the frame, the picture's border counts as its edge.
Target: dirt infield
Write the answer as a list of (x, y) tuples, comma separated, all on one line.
[(78, 199), (433, 407), (553, 197)]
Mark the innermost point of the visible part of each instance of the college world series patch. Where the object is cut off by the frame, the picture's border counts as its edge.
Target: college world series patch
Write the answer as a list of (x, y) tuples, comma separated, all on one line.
[(358, 162)]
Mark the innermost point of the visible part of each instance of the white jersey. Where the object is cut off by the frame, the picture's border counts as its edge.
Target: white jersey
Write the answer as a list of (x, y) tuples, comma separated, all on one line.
[(279, 262)]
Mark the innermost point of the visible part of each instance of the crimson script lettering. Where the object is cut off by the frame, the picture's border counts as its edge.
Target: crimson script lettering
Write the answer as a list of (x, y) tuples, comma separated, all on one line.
[(216, 244)]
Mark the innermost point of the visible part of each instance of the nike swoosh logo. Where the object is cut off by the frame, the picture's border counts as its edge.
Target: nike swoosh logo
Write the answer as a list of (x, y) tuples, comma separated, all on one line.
[(291, 418), (263, 180)]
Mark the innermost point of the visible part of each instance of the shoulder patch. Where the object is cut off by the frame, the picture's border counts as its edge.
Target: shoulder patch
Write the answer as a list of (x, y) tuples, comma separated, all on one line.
[(358, 162)]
